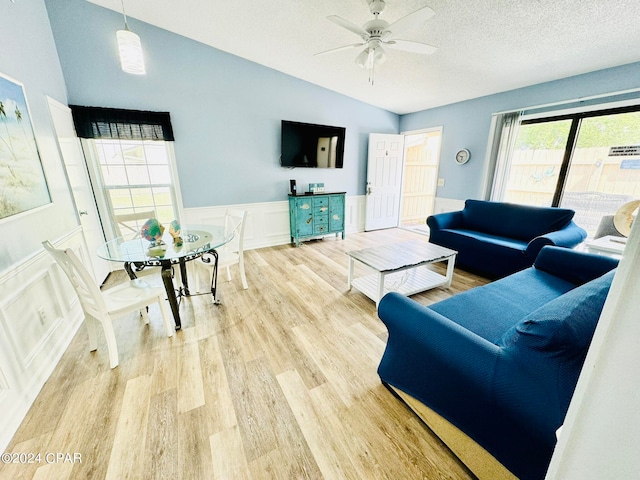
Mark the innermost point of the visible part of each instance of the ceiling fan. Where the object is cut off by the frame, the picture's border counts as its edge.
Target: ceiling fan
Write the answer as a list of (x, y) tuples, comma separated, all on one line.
[(377, 33)]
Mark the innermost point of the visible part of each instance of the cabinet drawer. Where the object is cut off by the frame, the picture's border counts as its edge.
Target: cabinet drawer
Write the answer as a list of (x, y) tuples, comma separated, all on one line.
[(321, 201), (322, 210), (320, 228), (321, 219)]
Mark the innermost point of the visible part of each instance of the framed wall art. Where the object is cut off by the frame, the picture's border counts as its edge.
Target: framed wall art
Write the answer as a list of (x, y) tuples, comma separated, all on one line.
[(23, 185)]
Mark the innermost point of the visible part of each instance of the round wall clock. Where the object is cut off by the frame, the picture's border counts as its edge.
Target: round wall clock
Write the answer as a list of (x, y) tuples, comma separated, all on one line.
[(463, 156)]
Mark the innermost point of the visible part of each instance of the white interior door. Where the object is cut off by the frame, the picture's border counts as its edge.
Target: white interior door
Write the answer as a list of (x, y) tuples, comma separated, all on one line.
[(384, 181), (76, 169)]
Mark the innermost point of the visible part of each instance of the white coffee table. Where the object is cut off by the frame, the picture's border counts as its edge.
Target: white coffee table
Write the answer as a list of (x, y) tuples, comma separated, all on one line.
[(400, 267)]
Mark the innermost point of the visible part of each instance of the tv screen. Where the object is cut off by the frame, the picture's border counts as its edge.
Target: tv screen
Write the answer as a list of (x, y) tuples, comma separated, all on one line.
[(313, 146)]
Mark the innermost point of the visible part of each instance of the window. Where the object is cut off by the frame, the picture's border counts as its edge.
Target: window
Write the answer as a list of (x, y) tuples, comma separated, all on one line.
[(130, 159), (588, 162), (135, 177)]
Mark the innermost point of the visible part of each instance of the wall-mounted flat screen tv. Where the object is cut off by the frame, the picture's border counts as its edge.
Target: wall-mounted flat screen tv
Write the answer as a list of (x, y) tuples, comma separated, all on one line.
[(313, 146)]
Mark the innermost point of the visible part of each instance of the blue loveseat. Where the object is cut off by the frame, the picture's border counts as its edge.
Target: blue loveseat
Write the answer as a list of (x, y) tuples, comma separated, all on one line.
[(495, 239), (500, 362)]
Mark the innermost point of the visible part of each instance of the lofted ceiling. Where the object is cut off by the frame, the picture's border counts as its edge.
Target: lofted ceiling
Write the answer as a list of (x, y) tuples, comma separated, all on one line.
[(484, 46)]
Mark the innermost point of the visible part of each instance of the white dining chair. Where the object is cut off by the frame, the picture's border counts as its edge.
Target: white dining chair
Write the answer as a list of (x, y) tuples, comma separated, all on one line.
[(103, 306), (128, 225), (231, 253)]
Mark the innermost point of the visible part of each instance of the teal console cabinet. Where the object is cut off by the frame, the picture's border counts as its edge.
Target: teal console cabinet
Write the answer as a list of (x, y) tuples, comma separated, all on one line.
[(316, 215)]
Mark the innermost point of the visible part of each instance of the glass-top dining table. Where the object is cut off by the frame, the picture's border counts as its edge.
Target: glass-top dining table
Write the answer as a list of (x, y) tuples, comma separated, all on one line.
[(193, 242)]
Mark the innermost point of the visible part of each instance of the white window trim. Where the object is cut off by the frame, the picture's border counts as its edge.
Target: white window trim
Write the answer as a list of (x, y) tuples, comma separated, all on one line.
[(104, 209)]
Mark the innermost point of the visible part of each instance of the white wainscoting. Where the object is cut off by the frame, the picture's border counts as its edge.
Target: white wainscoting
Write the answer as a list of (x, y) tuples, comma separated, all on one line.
[(268, 223), (39, 315), (442, 205)]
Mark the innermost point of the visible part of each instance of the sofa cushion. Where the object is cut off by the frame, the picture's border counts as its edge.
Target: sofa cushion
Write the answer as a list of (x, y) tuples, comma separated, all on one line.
[(522, 222), (565, 324), (476, 309), (482, 237)]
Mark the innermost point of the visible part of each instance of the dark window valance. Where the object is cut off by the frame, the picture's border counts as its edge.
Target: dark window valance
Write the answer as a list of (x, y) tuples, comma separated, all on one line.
[(99, 122)]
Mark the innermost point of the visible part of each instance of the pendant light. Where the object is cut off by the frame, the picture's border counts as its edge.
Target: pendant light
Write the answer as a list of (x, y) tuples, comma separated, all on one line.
[(130, 49)]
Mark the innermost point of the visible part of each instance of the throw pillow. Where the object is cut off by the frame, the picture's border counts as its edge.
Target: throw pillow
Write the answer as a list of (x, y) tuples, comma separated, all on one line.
[(566, 323)]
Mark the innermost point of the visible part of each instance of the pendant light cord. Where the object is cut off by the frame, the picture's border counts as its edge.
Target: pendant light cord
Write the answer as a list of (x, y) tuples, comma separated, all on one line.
[(126, 26)]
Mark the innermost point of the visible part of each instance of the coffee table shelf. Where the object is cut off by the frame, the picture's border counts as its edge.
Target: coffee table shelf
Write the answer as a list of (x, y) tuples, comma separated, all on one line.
[(401, 267)]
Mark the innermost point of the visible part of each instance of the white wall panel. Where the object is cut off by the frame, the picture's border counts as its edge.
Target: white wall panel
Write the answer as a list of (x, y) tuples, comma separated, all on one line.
[(30, 315), (30, 345)]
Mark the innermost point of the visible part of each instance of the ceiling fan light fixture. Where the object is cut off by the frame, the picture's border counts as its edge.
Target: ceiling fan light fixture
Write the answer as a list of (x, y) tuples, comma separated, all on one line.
[(130, 49), (362, 58), (371, 57)]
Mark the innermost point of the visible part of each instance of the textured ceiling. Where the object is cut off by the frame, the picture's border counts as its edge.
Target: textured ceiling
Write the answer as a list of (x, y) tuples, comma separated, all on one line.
[(484, 46)]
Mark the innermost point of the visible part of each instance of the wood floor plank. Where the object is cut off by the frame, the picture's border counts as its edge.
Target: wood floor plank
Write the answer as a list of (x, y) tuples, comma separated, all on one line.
[(219, 404), (162, 436), (165, 369), (190, 388), (318, 434), (95, 431), (277, 382), (20, 470), (193, 447), (229, 460), (88, 419), (54, 471), (127, 456)]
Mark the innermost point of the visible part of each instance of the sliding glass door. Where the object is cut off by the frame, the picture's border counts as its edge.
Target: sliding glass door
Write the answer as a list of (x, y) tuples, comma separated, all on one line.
[(604, 172), (589, 162), (536, 162)]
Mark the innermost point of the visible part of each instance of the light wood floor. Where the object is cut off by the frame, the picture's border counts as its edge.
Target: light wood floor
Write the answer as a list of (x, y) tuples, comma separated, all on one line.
[(278, 382)]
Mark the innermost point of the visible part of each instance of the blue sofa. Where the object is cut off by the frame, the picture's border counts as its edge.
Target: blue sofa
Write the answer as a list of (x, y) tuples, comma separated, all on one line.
[(500, 362), (496, 239)]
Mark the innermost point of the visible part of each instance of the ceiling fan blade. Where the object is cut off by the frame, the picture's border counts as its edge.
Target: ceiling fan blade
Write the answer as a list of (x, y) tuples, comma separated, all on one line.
[(409, 22), (413, 47), (352, 27), (339, 49)]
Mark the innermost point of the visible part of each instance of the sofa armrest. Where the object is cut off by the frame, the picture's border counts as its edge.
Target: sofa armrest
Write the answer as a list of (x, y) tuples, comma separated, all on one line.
[(569, 237), (445, 220), (572, 265), (426, 350)]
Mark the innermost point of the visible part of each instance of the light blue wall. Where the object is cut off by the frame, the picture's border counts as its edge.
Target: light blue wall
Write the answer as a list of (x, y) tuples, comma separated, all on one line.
[(466, 124), (28, 56), (226, 111)]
